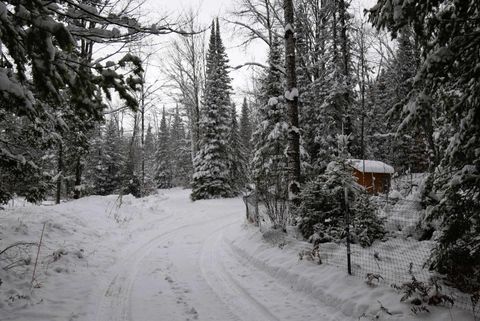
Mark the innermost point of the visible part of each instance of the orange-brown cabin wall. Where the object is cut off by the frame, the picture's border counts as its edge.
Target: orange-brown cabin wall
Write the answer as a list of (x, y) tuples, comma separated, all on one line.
[(374, 182)]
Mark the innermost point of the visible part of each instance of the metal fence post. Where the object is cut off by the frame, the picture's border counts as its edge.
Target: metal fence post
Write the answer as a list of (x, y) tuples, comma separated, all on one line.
[(347, 219), (257, 214)]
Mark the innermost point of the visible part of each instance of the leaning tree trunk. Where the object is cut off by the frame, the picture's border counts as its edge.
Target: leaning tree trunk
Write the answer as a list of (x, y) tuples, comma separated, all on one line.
[(292, 104)]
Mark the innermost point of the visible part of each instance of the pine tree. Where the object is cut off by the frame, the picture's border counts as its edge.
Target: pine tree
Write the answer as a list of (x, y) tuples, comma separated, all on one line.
[(163, 162), (149, 154), (107, 172), (341, 95), (180, 151), (246, 128), (445, 94), (324, 74), (409, 144), (238, 162), (51, 88), (211, 178), (270, 164), (379, 130), (321, 214), (132, 153)]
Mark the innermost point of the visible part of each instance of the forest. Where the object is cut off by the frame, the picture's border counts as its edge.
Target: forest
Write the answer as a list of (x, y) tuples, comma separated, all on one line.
[(398, 82)]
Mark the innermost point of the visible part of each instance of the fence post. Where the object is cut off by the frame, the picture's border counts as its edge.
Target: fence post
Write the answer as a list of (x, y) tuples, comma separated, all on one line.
[(347, 219), (257, 216)]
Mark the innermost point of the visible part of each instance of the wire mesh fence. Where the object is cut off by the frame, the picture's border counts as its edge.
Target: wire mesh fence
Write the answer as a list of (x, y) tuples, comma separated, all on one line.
[(403, 253)]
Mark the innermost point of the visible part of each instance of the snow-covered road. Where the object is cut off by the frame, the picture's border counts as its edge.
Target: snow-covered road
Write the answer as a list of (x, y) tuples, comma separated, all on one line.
[(181, 267), (164, 257)]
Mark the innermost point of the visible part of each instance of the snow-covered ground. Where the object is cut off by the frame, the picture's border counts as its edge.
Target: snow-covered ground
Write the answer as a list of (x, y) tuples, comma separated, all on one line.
[(166, 258)]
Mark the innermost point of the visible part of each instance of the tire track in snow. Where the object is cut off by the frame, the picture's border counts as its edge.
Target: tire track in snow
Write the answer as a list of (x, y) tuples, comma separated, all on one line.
[(231, 292), (285, 285), (255, 294), (115, 303)]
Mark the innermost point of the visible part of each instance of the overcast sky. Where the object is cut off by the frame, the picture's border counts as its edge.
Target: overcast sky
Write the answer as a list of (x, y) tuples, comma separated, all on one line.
[(208, 10)]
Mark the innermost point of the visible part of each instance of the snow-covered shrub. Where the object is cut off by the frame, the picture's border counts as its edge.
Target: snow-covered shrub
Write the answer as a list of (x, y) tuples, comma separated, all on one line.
[(321, 214), (420, 293), (457, 253), (367, 226), (453, 212), (133, 186)]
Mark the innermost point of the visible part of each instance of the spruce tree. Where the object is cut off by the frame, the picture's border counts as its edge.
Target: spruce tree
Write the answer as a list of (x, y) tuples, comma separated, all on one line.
[(211, 178), (444, 93), (270, 164), (163, 165), (107, 173), (180, 152), (246, 128), (409, 144), (238, 162), (325, 77), (149, 154), (51, 88)]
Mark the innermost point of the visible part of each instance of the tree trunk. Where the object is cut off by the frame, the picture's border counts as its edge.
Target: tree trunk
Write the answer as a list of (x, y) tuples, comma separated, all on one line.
[(269, 24), (78, 178), (142, 111), (362, 93), (60, 173), (292, 104), (344, 38)]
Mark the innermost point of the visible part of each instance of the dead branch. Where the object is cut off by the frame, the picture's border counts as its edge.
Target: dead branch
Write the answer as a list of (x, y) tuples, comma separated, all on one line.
[(38, 252), (17, 244)]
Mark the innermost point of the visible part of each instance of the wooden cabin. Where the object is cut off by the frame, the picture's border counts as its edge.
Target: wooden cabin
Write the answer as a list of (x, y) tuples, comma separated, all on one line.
[(374, 175)]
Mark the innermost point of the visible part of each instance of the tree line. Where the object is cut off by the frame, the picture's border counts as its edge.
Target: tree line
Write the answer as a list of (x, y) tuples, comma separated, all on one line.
[(398, 83)]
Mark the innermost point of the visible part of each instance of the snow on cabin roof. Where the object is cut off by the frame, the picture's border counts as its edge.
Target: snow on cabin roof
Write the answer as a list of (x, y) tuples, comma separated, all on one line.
[(371, 166)]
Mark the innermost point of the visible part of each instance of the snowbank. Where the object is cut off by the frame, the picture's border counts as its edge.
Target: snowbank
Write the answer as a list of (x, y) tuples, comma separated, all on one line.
[(81, 241), (329, 284)]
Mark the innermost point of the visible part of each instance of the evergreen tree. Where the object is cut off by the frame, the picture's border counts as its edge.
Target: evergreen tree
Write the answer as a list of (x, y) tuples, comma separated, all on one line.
[(246, 128), (270, 164), (445, 94), (180, 152), (321, 214), (22, 158), (211, 178), (132, 153), (107, 173), (324, 71), (380, 132), (238, 162), (408, 145), (163, 164), (46, 79), (149, 154)]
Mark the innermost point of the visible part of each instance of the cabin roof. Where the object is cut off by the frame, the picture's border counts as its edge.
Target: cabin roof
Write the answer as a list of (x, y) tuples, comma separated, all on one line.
[(371, 166)]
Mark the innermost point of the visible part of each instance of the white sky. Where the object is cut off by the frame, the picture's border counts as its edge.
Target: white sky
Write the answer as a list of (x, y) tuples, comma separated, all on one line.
[(208, 10)]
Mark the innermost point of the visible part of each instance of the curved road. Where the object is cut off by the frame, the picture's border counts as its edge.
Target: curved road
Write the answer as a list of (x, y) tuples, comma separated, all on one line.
[(180, 267)]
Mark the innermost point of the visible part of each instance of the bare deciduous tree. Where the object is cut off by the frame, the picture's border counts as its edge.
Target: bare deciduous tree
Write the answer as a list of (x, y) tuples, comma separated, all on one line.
[(186, 72)]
